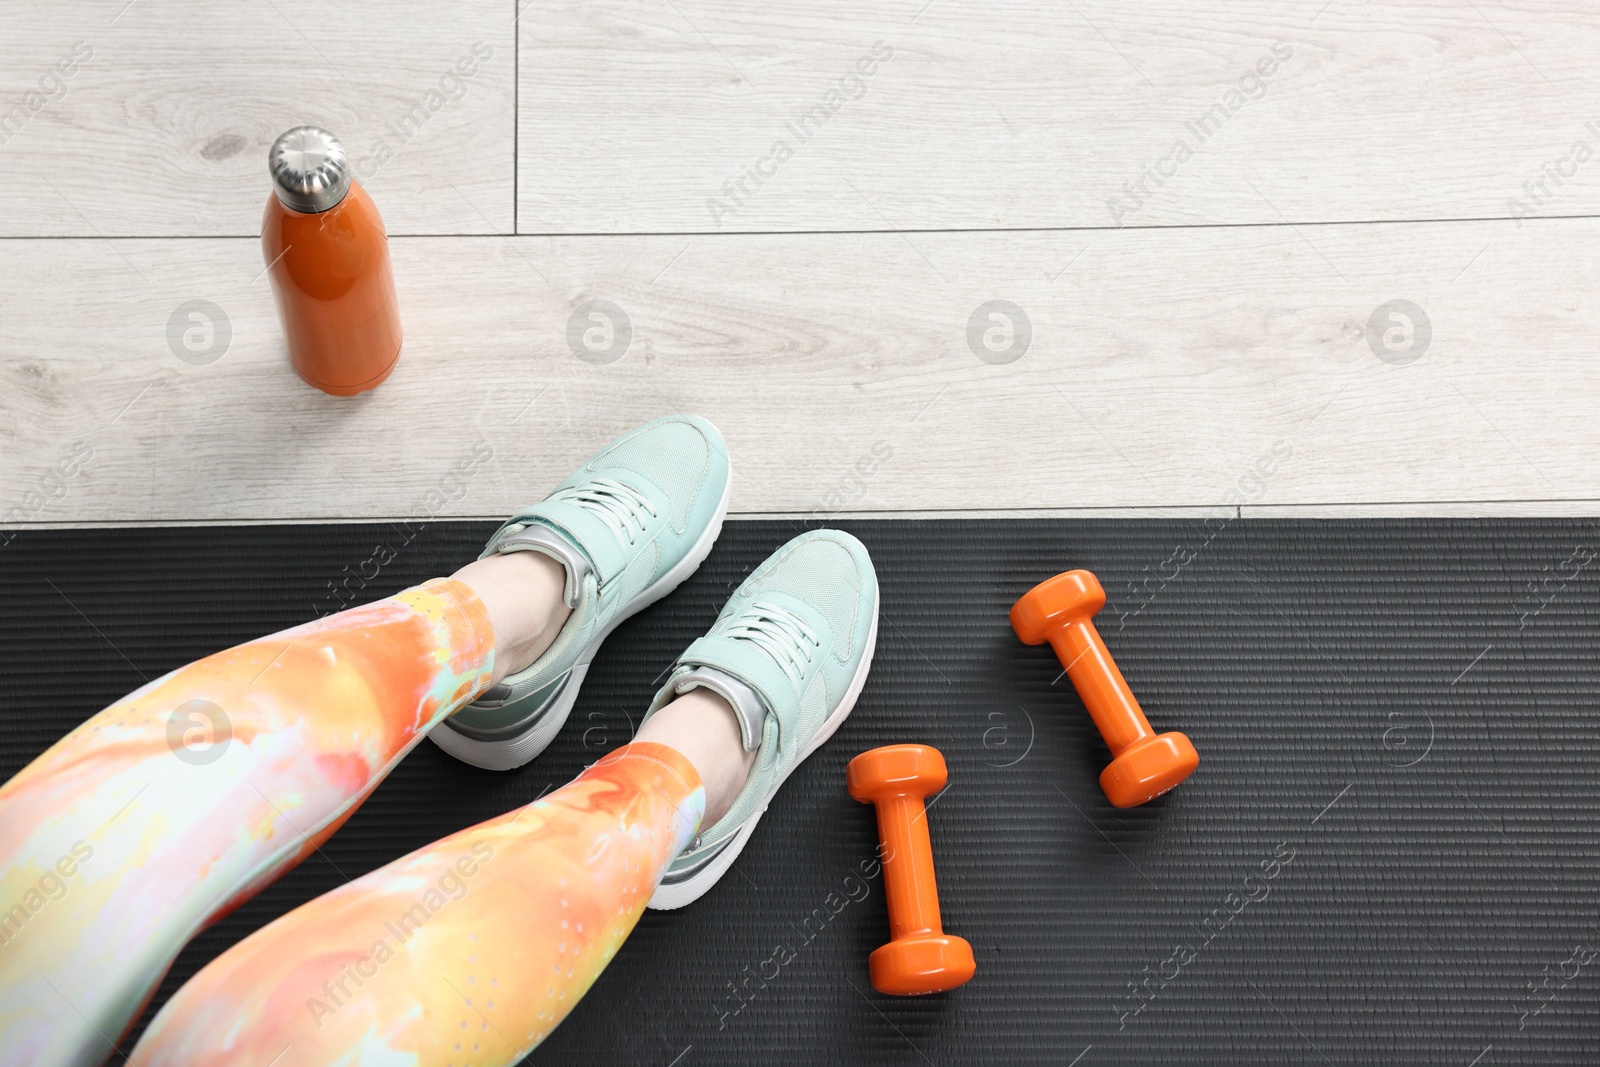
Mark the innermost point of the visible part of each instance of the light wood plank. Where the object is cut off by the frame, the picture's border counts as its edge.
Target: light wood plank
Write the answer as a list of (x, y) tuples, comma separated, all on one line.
[(163, 127), (1020, 114), (1011, 115), (1166, 368)]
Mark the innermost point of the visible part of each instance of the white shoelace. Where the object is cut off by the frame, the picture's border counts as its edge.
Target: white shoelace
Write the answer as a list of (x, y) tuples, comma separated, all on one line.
[(619, 505), (780, 633)]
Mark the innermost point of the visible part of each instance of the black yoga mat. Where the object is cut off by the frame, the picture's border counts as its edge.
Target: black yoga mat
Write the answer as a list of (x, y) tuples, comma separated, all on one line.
[(1389, 852)]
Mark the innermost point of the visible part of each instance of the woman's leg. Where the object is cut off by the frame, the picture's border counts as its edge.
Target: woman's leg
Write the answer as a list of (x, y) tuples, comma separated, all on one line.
[(185, 798), (467, 951)]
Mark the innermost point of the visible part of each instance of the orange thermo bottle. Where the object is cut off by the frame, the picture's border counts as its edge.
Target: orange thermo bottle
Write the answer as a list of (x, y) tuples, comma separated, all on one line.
[(328, 256)]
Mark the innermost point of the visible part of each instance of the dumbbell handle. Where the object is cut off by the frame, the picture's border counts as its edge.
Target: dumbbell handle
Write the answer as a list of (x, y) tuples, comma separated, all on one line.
[(908, 867), (1101, 686)]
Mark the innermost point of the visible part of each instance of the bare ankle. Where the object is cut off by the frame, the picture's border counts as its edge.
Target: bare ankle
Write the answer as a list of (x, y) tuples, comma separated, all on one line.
[(703, 728), (523, 595)]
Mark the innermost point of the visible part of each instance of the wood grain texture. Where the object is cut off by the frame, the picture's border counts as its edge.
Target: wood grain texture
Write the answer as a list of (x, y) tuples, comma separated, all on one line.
[(1209, 368), (162, 128), (1021, 114)]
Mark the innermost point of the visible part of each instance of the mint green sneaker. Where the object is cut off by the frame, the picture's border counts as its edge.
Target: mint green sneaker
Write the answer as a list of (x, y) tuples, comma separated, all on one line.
[(790, 652), (629, 525)]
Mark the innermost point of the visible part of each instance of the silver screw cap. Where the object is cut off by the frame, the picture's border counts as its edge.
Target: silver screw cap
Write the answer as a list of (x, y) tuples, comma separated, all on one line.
[(310, 171)]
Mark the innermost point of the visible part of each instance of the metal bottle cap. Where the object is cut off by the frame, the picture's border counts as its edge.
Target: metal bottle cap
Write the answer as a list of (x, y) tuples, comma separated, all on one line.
[(309, 169)]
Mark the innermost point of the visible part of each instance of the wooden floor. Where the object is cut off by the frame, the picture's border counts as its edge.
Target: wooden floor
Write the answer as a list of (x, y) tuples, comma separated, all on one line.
[(1322, 258)]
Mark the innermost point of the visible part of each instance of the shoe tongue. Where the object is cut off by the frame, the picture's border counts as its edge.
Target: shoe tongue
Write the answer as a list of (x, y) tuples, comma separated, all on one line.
[(748, 706), (541, 538)]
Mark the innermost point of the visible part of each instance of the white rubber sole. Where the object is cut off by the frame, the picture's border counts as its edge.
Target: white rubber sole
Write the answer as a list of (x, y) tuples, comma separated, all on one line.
[(668, 897), (513, 752)]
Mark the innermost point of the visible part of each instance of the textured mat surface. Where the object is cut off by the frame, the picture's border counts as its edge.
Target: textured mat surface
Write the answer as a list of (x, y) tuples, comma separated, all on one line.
[(1389, 853)]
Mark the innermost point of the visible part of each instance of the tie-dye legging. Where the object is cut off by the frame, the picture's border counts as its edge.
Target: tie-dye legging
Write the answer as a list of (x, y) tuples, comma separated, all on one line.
[(169, 808)]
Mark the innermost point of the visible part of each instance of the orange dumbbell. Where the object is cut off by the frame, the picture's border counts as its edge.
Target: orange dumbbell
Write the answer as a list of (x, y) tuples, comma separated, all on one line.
[(1144, 764), (920, 957)]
